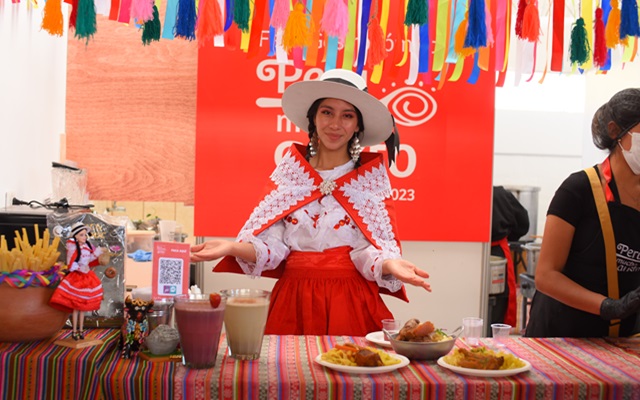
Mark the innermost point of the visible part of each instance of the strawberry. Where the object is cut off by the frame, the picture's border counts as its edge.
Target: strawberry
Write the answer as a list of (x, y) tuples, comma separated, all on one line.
[(214, 299)]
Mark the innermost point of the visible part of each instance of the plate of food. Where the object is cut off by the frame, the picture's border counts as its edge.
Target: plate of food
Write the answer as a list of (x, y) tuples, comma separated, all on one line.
[(355, 359), (378, 338), (483, 362)]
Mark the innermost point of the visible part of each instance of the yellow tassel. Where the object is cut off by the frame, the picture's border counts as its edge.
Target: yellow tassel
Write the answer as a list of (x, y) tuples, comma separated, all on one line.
[(52, 20), (461, 34), (612, 30), (297, 32)]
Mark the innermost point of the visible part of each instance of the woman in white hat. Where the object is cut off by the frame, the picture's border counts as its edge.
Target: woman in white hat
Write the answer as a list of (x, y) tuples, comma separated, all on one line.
[(327, 229), (81, 290)]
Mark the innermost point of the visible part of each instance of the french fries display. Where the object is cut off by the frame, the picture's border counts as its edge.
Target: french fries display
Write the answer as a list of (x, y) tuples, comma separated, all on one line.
[(37, 257), (352, 355)]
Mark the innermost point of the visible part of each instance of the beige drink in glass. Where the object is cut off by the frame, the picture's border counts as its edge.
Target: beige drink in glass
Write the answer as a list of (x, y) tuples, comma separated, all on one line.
[(245, 318)]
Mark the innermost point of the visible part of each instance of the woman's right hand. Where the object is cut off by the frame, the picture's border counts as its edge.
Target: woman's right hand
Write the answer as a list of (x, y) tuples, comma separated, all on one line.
[(211, 250)]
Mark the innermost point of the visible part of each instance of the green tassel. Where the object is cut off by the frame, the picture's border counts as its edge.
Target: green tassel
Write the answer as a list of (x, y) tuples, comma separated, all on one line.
[(241, 14), (86, 25), (580, 49), (151, 29), (417, 12)]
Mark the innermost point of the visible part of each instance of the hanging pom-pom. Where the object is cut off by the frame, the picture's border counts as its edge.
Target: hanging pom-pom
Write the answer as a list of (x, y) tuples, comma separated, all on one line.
[(629, 19), (531, 22), (185, 20), (280, 14), (459, 39), (377, 48), (142, 10), (476, 25), (86, 22), (612, 30), (417, 12), (209, 22), (52, 20), (152, 29), (522, 5), (241, 14), (579, 49), (335, 19), (73, 17), (599, 41), (297, 31)]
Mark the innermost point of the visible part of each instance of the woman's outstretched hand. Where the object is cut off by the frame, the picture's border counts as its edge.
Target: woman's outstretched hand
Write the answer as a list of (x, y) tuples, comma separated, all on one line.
[(406, 272), (211, 250)]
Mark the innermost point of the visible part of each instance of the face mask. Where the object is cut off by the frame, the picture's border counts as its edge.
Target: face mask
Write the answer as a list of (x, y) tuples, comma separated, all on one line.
[(632, 156)]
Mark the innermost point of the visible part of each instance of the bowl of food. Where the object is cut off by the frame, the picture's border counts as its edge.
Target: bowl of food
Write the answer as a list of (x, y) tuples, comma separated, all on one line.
[(422, 341)]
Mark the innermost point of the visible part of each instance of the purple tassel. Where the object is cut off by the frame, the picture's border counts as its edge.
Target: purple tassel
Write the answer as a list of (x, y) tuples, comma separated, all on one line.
[(629, 19), (185, 26), (477, 27)]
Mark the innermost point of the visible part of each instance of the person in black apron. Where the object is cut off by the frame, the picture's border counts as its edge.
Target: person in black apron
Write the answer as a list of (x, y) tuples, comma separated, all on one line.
[(572, 296)]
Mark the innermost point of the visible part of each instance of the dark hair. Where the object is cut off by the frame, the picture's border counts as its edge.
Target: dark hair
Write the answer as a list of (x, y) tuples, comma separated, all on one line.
[(624, 110), (311, 114)]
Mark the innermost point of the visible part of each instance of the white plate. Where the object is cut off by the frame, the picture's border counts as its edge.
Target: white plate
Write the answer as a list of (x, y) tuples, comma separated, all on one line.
[(378, 338), (483, 372), (404, 361)]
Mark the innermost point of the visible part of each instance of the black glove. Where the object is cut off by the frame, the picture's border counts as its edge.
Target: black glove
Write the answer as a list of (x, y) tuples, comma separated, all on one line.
[(622, 308)]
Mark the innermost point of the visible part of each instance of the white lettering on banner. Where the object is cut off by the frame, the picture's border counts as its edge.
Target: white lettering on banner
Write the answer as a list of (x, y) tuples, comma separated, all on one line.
[(403, 194), (271, 69), (284, 125)]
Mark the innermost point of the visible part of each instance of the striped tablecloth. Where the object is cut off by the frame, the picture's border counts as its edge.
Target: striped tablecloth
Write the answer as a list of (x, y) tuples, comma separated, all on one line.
[(562, 368)]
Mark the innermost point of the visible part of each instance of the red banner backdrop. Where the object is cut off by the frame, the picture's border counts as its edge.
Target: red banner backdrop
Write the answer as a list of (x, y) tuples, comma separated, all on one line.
[(442, 178)]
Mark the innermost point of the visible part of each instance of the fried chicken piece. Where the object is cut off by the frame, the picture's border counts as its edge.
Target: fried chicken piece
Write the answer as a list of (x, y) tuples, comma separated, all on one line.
[(414, 331), (475, 360), (406, 333), (367, 358)]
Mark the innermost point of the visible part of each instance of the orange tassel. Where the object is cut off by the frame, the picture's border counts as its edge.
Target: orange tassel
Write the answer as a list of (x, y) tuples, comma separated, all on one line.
[(531, 22), (612, 31), (210, 22), (297, 32), (52, 21), (461, 34), (377, 51)]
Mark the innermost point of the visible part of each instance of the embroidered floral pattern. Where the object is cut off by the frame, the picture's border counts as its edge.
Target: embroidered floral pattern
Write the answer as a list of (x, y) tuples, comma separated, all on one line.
[(326, 187)]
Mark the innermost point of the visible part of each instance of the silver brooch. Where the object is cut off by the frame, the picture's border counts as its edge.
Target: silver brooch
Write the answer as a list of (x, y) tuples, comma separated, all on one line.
[(326, 187)]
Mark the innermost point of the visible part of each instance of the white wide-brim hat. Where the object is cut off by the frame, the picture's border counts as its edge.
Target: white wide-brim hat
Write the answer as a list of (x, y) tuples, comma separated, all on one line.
[(77, 227), (344, 85)]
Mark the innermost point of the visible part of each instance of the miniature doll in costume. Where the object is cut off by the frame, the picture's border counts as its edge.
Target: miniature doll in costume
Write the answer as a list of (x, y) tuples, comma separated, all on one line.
[(81, 290)]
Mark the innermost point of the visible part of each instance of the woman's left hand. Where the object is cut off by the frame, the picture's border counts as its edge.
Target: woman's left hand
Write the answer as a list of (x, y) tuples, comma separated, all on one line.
[(406, 272)]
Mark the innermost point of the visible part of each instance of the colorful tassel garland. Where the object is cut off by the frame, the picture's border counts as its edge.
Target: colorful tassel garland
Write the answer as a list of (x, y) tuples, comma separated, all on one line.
[(73, 17), (531, 22), (142, 10), (599, 41), (459, 45), (522, 5), (209, 22), (52, 20), (417, 12), (629, 19), (86, 25), (152, 29), (335, 19), (297, 31), (579, 49), (280, 14), (377, 51), (241, 14), (476, 25), (612, 30), (185, 20)]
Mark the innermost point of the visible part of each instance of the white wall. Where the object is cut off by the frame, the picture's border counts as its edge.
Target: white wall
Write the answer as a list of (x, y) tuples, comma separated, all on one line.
[(33, 74)]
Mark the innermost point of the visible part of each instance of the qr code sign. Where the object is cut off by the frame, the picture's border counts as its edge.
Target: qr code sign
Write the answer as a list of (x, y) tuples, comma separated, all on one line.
[(170, 275)]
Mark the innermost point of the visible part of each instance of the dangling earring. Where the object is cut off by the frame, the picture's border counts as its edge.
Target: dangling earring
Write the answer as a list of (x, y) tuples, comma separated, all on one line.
[(313, 145), (355, 149)]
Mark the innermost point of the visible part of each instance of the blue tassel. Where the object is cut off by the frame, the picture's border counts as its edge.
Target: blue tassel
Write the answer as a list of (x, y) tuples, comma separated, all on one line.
[(477, 26), (629, 19), (186, 20)]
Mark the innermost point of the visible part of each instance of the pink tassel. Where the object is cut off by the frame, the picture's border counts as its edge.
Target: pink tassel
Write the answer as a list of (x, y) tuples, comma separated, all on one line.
[(488, 21), (335, 19), (280, 14), (142, 10)]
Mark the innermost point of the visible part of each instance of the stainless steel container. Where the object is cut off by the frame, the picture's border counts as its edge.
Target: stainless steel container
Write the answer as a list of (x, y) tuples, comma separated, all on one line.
[(528, 197), (498, 274), (532, 251)]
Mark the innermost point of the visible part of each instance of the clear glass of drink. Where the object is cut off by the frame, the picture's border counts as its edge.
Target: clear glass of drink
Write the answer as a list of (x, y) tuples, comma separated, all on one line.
[(244, 321), (199, 324), (472, 330)]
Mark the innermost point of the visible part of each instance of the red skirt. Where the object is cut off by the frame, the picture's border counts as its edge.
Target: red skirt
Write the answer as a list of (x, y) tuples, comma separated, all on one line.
[(322, 293), (78, 291)]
